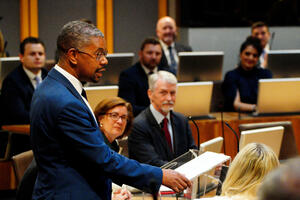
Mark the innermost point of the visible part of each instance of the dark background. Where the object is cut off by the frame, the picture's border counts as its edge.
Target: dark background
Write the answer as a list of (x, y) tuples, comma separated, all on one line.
[(237, 13)]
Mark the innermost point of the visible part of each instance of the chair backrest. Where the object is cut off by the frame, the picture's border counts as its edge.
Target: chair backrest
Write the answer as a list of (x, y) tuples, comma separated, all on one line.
[(288, 145), (21, 162), (271, 137), (4, 144), (213, 145)]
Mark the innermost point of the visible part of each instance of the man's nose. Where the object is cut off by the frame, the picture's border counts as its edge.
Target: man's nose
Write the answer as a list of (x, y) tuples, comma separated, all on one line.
[(103, 61)]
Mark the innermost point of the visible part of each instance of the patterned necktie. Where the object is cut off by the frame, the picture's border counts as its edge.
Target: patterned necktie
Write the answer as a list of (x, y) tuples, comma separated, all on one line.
[(173, 65), (83, 93), (167, 133), (37, 80)]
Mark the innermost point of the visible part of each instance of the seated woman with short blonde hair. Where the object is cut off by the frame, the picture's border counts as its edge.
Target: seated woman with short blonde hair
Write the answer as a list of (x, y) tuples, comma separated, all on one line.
[(247, 171)]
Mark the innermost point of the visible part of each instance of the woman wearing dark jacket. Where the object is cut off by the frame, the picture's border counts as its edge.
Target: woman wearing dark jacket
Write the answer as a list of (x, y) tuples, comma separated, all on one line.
[(240, 86)]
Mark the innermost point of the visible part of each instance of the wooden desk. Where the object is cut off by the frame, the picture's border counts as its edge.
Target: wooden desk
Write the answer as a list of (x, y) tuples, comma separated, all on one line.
[(22, 129), (7, 175), (210, 129)]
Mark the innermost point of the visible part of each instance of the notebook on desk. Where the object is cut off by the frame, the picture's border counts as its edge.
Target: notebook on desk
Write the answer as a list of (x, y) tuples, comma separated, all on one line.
[(194, 98), (271, 136), (98, 93), (117, 62), (200, 66), (278, 96), (284, 63)]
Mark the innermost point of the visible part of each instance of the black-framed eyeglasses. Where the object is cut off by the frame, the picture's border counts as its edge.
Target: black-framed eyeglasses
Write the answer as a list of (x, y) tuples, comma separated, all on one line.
[(98, 57), (115, 116)]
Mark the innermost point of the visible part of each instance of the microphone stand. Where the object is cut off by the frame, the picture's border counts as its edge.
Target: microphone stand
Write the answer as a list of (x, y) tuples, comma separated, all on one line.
[(198, 133), (223, 135), (236, 136)]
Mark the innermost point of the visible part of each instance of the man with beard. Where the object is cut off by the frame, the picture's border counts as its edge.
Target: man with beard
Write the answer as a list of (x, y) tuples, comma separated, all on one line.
[(133, 82), (166, 31), (159, 135)]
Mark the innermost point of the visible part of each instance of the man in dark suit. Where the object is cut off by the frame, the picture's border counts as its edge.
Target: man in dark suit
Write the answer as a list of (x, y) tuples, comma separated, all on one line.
[(159, 135), (19, 85), (72, 158), (166, 31), (133, 82)]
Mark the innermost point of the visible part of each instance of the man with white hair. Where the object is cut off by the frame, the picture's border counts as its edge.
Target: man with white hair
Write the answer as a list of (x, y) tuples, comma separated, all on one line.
[(159, 135)]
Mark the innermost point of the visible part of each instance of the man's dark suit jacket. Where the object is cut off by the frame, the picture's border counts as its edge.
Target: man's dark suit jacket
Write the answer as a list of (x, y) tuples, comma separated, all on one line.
[(16, 94), (72, 158), (133, 86), (179, 48), (147, 143)]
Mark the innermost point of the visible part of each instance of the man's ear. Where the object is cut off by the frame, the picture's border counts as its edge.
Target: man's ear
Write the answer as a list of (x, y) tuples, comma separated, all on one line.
[(21, 56), (72, 56), (149, 92)]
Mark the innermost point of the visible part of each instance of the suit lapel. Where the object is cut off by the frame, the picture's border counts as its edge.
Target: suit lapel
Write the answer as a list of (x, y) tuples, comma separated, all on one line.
[(63, 80), (158, 130), (175, 132)]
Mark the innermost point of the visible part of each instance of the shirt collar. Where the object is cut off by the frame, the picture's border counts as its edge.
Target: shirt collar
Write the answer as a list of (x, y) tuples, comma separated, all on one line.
[(157, 115), (165, 46), (267, 48), (74, 81), (147, 70), (31, 75)]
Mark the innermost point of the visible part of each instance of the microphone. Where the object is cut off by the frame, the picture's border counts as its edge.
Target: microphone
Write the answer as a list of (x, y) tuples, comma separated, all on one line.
[(271, 40), (222, 125), (152, 186), (198, 133), (236, 136)]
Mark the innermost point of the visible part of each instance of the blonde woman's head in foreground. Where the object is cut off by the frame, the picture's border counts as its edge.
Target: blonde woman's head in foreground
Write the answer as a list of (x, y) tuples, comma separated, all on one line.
[(248, 170)]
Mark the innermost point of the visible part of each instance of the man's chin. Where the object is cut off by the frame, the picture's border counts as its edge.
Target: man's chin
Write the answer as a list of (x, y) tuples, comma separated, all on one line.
[(167, 109)]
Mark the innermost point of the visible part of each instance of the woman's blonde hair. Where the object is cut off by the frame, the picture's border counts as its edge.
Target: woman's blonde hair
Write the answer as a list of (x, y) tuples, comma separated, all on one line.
[(248, 170), (109, 103)]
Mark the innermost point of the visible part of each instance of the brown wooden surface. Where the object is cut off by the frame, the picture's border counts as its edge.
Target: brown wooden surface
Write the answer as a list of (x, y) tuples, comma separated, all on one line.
[(23, 129), (7, 176), (210, 129)]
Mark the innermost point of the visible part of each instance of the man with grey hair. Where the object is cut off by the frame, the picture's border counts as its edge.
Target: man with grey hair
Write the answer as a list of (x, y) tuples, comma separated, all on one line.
[(159, 135), (282, 183), (72, 158)]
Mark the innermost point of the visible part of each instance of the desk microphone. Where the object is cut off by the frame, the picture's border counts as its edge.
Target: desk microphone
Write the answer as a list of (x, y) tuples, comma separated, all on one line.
[(271, 40), (236, 136), (198, 133), (152, 186)]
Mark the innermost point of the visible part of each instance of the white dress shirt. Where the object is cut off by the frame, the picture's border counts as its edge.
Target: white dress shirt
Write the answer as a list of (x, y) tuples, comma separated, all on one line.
[(32, 76), (159, 118), (76, 84)]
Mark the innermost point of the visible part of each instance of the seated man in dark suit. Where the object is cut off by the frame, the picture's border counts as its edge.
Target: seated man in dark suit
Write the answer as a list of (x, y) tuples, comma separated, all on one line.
[(19, 85), (133, 82), (159, 135), (166, 31)]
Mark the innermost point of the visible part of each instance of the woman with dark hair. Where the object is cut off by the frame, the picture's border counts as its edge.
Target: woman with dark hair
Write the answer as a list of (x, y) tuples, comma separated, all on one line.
[(240, 86)]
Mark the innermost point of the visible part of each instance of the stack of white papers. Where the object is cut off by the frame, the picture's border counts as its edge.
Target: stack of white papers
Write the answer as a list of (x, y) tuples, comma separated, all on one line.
[(199, 165)]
